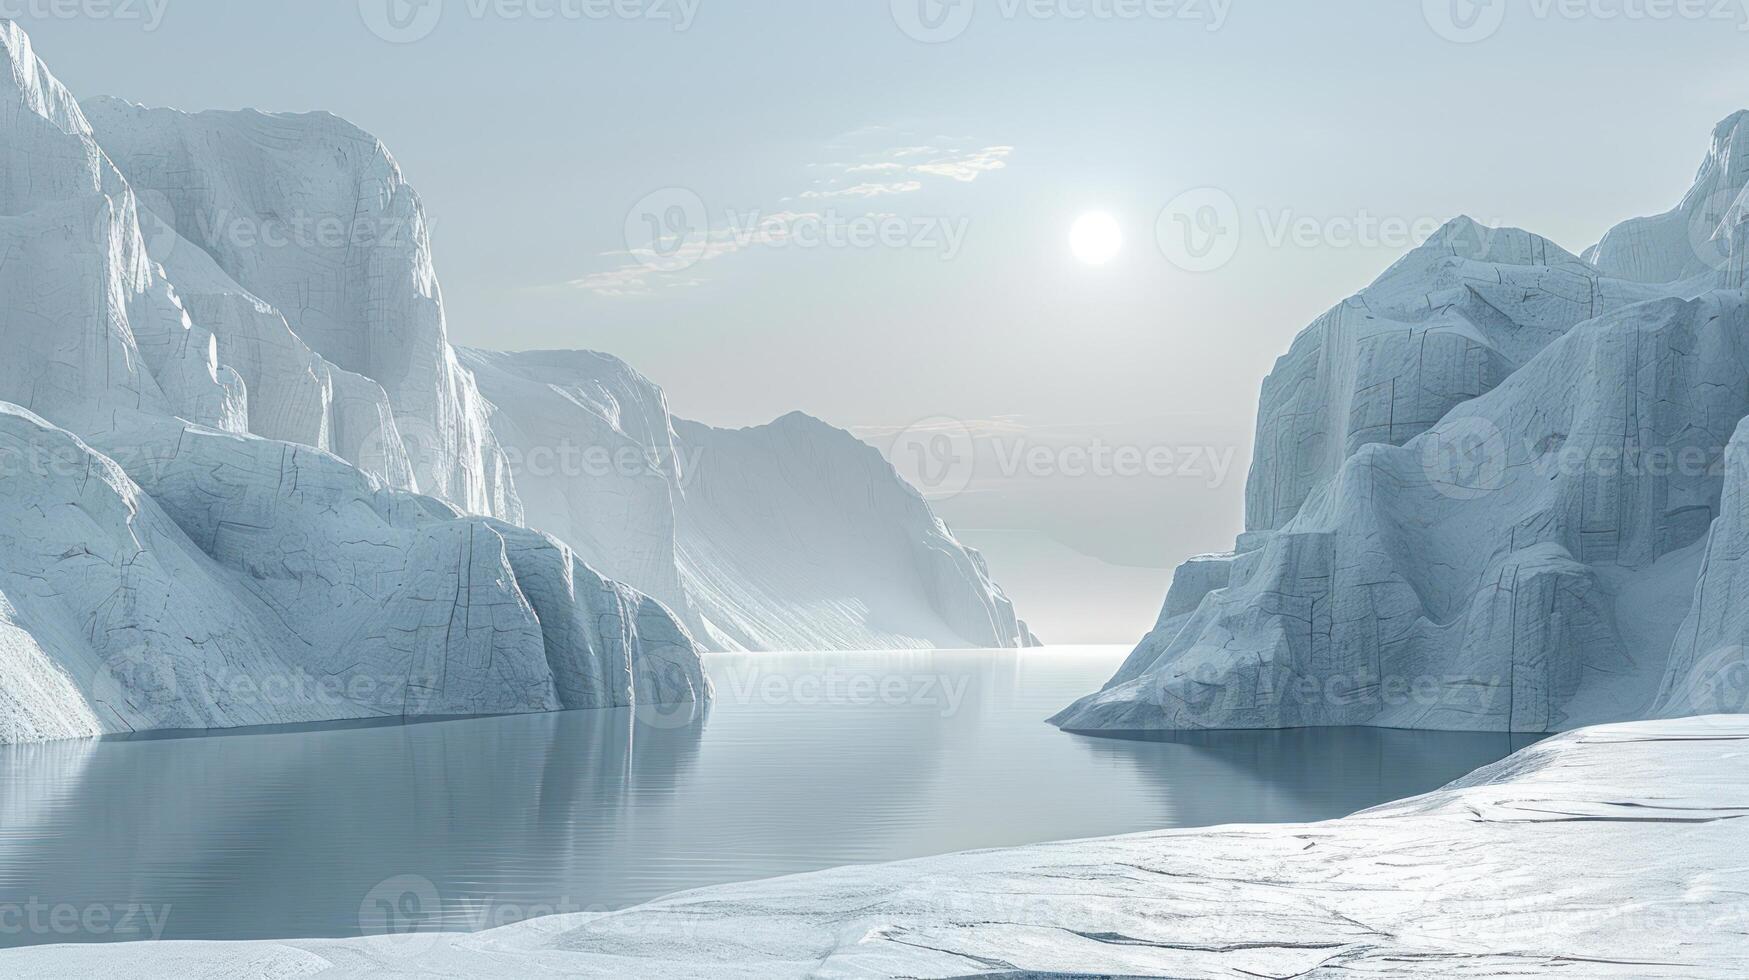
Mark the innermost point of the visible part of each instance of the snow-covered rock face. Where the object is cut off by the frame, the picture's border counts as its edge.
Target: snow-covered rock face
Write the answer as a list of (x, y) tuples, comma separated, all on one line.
[(235, 317), (312, 216), (88, 326), (164, 566), (1709, 663), (1447, 323), (788, 536), (1482, 497), (1694, 239)]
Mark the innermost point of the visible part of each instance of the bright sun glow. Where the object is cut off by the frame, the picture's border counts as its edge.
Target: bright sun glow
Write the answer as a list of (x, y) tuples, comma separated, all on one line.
[(1096, 238)]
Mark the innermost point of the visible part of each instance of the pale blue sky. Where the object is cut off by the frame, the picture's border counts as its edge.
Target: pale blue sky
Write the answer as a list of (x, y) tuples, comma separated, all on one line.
[(531, 141)]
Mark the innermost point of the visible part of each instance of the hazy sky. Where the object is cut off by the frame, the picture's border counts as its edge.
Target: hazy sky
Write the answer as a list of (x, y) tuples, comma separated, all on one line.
[(544, 147)]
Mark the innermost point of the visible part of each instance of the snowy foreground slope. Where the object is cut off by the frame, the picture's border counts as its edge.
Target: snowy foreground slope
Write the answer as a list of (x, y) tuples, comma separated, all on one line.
[(1487, 490), (789, 536), (1612, 852)]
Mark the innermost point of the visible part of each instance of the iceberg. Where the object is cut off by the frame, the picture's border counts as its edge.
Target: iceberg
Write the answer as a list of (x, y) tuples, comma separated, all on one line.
[(251, 481), (788, 536), (184, 543), (1483, 496)]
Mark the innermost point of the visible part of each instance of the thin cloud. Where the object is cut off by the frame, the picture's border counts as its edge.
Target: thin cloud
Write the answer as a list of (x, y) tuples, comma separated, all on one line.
[(969, 166), (868, 190), (650, 267), (643, 271)]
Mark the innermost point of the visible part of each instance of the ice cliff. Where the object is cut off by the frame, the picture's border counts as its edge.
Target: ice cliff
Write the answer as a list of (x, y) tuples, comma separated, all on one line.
[(250, 480), (789, 536), (182, 544), (1486, 490)]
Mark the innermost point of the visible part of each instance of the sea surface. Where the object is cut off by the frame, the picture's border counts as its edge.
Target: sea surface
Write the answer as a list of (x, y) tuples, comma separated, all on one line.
[(804, 761)]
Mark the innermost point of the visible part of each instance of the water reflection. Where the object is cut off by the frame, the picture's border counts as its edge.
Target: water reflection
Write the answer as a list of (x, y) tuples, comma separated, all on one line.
[(806, 761), (1299, 776)]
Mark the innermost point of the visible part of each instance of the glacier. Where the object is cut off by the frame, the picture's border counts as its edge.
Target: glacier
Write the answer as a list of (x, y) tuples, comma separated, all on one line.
[(1499, 489), (250, 479), (183, 548), (788, 536)]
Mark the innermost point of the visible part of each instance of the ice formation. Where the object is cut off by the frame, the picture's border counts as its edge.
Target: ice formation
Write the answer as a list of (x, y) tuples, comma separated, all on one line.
[(788, 536), (249, 480), (182, 544), (1486, 490)]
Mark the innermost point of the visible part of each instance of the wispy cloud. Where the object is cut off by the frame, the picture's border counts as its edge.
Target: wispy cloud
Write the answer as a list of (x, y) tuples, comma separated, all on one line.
[(967, 167), (904, 169), (651, 266), (867, 190), (963, 165)]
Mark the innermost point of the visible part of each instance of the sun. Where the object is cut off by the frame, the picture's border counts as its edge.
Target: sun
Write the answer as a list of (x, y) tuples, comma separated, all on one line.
[(1096, 238)]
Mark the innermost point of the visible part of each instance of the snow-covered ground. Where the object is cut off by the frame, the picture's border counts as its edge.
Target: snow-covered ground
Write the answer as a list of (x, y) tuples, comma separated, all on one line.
[(1620, 851)]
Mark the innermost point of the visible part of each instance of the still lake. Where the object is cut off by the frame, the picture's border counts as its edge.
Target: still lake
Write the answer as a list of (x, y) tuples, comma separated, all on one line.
[(805, 761)]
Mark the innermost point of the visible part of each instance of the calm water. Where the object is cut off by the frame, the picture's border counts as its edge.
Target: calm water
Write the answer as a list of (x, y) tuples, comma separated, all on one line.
[(806, 761)]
